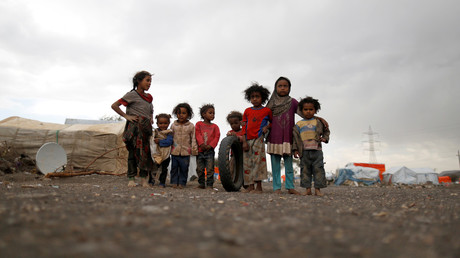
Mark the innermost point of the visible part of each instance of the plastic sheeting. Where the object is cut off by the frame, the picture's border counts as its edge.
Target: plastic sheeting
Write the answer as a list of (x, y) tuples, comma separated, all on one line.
[(82, 143), (400, 175), (365, 175)]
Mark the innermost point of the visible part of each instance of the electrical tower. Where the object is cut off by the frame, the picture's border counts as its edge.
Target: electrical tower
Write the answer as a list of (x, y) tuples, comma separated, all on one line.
[(371, 141)]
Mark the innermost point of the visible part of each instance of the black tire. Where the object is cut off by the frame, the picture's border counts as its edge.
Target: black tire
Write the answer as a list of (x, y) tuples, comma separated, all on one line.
[(231, 180)]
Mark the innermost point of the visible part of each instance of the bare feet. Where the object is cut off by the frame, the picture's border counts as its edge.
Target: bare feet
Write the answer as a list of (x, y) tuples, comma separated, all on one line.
[(308, 192), (257, 191), (131, 183), (181, 186), (318, 192), (249, 189), (144, 182), (293, 191), (277, 191)]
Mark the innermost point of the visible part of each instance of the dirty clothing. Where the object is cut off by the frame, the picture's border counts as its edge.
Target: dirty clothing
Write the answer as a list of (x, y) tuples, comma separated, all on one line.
[(255, 162), (137, 104), (208, 134), (205, 160), (184, 139), (164, 171), (307, 141), (136, 137), (179, 169), (304, 134), (312, 169), (163, 147)]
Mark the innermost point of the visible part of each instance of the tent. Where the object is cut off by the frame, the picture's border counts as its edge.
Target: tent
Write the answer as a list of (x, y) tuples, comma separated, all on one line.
[(453, 174), (83, 143), (358, 174), (400, 175), (425, 175)]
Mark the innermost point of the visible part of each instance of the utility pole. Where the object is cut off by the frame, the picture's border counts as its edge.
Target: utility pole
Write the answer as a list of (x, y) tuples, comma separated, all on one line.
[(458, 155), (371, 141)]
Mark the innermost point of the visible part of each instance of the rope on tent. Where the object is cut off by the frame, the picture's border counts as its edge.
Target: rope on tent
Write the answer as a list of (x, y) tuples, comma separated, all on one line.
[(85, 171)]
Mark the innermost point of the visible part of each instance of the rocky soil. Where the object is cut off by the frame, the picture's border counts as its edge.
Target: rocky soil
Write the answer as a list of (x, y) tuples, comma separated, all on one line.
[(99, 216)]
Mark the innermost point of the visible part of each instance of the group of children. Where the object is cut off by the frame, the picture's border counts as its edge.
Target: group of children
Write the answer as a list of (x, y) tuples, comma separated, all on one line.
[(273, 124)]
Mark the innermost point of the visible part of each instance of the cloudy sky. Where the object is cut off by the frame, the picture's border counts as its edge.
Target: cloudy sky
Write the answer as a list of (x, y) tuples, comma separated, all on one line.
[(391, 65)]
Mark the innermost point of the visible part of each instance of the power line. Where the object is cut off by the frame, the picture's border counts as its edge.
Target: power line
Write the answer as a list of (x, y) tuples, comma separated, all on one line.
[(371, 141)]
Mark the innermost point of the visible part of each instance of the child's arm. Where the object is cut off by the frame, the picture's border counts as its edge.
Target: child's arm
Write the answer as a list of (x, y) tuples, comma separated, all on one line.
[(194, 150), (116, 107), (297, 145), (216, 136), (166, 142), (325, 135), (326, 125), (244, 127), (199, 135)]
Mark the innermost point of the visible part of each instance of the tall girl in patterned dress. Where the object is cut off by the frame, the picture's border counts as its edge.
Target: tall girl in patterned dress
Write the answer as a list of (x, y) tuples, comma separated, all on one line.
[(138, 128), (256, 121)]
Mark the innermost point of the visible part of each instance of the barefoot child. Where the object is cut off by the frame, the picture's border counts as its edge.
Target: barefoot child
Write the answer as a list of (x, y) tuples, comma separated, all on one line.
[(138, 128), (279, 143), (309, 133), (207, 136), (256, 121), (184, 145), (163, 140)]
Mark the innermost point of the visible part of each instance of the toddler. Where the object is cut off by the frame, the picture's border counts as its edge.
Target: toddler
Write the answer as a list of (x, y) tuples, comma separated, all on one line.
[(207, 136), (309, 133), (184, 145), (163, 139)]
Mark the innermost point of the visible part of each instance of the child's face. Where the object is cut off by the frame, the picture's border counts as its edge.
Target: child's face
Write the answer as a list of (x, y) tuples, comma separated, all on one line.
[(308, 110), (282, 88), (256, 99), (209, 115), (163, 123), (145, 83), (182, 115), (235, 124)]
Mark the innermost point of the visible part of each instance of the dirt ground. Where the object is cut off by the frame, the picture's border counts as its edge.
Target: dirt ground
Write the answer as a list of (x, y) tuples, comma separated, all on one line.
[(99, 216)]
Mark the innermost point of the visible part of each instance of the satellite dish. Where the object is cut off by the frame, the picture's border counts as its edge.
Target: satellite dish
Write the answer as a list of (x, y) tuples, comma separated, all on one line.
[(51, 157)]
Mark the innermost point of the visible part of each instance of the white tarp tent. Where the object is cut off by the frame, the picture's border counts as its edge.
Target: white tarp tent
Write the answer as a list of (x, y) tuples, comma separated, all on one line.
[(400, 175), (425, 175), (358, 174)]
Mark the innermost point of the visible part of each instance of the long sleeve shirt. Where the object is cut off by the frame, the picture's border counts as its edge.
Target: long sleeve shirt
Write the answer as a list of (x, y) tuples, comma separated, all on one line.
[(208, 134), (254, 120), (184, 139)]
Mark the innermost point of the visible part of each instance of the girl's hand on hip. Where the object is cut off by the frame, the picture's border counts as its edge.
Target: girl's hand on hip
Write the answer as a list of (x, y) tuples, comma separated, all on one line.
[(131, 118)]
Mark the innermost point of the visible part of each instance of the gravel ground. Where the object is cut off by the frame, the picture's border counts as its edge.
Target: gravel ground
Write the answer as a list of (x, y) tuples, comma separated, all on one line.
[(100, 216)]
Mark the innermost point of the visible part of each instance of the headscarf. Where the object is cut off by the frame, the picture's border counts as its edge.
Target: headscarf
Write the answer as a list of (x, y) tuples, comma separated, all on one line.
[(279, 104)]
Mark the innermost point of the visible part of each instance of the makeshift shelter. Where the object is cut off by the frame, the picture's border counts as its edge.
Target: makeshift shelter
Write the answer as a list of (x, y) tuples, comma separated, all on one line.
[(358, 174), (426, 175), (380, 167), (84, 144), (453, 174), (400, 175)]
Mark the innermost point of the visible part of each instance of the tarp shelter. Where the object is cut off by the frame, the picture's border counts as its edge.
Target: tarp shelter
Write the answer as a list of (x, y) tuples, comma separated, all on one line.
[(380, 167), (426, 175), (400, 175), (453, 174), (82, 142), (358, 174)]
